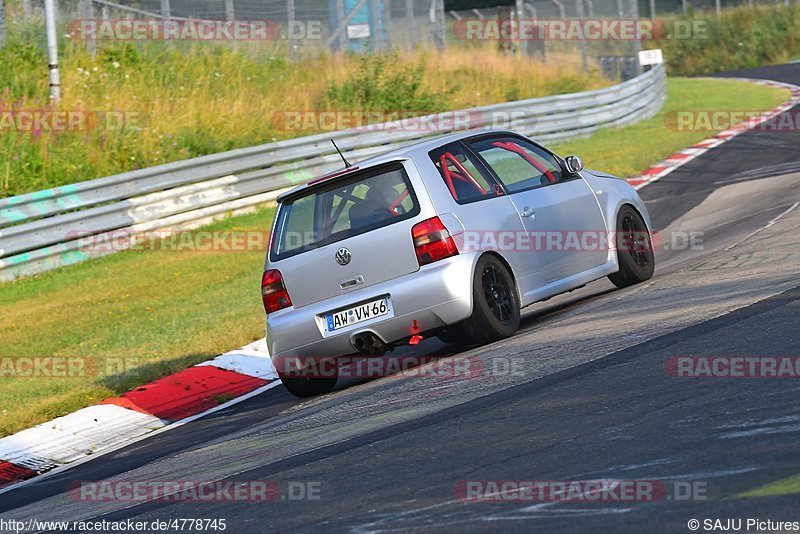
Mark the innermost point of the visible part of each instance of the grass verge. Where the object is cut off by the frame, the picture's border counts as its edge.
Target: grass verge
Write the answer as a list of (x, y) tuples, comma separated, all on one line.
[(136, 316), (784, 486), (628, 151)]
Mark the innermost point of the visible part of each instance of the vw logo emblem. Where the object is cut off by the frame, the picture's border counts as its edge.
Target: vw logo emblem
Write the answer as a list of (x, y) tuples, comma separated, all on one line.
[(343, 256)]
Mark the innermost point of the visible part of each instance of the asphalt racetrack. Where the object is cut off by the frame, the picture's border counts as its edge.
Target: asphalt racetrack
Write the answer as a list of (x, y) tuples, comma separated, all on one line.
[(585, 391)]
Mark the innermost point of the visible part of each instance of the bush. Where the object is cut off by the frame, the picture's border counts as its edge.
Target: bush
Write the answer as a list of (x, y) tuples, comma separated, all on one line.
[(737, 39), (383, 83)]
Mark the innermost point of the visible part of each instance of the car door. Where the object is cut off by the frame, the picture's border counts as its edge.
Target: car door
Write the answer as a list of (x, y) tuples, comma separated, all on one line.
[(489, 218), (559, 211)]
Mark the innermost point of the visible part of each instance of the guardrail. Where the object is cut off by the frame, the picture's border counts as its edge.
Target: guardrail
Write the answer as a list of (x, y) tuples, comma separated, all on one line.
[(47, 229)]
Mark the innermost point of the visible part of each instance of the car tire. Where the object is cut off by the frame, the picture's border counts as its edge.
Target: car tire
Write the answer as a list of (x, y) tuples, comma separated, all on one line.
[(304, 384), (495, 303), (634, 249)]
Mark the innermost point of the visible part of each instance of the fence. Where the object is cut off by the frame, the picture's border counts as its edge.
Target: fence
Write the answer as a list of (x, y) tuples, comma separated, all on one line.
[(371, 24), (45, 230)]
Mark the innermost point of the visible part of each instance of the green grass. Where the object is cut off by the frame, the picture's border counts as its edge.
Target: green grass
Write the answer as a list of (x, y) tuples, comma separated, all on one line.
[(785, 486), (167, 310), (160, 311), (627, 151)]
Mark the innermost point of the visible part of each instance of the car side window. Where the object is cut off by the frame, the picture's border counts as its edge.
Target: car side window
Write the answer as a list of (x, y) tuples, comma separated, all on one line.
[(462, 175), (519, 165)]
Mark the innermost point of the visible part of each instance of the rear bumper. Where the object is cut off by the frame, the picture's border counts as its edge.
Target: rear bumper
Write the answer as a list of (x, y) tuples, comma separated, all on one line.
[(436, 295)]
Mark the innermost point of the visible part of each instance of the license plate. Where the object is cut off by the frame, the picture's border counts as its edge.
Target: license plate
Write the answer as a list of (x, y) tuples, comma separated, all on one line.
[(356, 314)]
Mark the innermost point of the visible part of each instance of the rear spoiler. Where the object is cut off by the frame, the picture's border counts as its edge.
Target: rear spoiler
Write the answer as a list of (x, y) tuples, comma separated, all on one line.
[(333, 176)]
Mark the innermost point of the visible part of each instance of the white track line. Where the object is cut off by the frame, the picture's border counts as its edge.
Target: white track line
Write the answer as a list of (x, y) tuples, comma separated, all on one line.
[(681, 158), (773, 221)]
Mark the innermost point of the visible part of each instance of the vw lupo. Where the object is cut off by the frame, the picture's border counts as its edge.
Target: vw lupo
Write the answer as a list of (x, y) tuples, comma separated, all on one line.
[(451, 237)]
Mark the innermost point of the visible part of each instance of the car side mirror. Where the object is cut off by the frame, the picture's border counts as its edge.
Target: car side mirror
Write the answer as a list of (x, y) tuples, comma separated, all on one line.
[(574, 164)]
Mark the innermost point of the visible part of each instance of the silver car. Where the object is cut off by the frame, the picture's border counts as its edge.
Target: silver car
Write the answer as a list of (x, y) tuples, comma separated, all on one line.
[(449, 237)]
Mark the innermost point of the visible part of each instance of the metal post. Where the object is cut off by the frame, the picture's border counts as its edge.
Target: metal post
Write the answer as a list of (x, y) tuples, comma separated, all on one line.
[(519, 14), (290, 19), (538, 45), (230, 14), (385, 22), (342, 22), (52, 49), (637, 44), (374, 25), (582, 42), (2, 24), (590, 6), (652, 9), (620, 9), (166, 12), (718, 7), (437, 21), (412, 22), (26, 9), (685, 6), (505, 16), (562, 11), (87, 13)]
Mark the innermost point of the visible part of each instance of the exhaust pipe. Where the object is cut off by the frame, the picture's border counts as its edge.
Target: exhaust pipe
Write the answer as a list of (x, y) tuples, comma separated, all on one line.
[(369, 344), (359, 343)]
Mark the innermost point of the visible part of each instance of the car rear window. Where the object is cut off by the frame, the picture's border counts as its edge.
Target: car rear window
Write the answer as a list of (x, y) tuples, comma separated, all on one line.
[(345, 207)]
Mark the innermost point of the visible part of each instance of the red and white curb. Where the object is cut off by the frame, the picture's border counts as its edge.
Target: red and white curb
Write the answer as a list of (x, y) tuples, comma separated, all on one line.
[(216, 384), (663, 168), (119, 421)]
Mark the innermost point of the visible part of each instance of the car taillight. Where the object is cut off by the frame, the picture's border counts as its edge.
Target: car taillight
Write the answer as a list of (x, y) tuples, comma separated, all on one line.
[(432, 241), (273, 292)]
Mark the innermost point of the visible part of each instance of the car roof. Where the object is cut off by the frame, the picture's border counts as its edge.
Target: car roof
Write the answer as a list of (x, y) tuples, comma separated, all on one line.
[(403, 153)]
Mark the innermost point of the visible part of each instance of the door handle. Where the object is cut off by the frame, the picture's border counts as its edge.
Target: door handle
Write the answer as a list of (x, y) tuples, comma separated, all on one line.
[(528, 213), (344, 284)]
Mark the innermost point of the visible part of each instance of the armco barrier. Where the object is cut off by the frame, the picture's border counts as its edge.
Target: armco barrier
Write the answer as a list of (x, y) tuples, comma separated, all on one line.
[(38, 231)]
